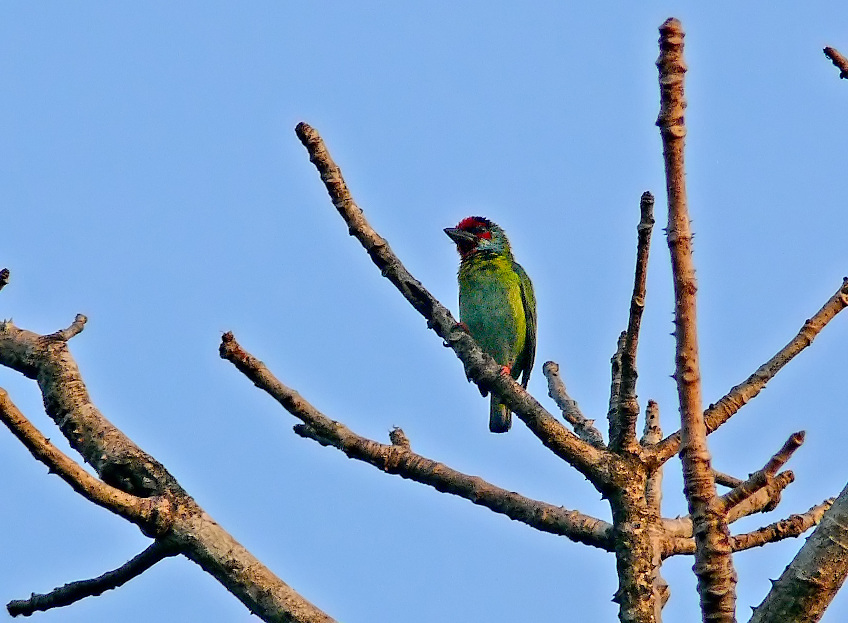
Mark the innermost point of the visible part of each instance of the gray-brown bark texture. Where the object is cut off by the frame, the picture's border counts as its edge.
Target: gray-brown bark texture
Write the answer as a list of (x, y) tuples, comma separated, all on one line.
[(132, 483), (713, 562), (810, 582)]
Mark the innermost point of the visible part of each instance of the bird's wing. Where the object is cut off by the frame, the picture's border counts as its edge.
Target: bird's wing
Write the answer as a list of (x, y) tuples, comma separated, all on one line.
[(528, 299)]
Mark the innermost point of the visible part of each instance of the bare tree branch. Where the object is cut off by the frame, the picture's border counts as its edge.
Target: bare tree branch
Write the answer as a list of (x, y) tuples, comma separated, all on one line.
[(152, 514), (651, 434), (718, 413), (760, 493), (627, 407), (761, 501), (810, 582), (713, 561), (584, 428), (613, 419), (763, 477), (726, 480), (592, 462), (135, 474), (117, 460), (838, 60), (793, 526), (397, 458), (74, 591)]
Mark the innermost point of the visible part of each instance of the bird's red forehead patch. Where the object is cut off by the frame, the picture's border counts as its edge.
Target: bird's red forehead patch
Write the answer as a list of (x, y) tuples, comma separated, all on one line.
[(477, 225)]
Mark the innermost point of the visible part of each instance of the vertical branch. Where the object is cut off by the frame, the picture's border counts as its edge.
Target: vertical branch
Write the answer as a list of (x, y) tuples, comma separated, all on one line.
[(713, 563), (626, 405), (651, 435), (615, 424)]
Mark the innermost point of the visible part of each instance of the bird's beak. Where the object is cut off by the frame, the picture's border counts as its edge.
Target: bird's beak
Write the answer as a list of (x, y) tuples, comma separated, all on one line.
[(460, 237)]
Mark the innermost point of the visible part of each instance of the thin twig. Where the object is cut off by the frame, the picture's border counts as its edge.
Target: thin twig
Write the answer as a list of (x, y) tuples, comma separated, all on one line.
[(793, 526), (726, 480), (583, 427), (627, 407), (718, 413), (398, 459), (838, 60), (763, 477), (713, 562), (75, 591), (761, 501)]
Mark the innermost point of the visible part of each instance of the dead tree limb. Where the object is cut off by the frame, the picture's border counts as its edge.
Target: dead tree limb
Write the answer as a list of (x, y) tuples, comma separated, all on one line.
[(132, 483), (810, 582), (713, 561), (623, 430), (401, 460)]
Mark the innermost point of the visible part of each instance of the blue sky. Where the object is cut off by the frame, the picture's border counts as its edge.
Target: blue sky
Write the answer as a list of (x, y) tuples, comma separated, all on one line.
[(151, 179)]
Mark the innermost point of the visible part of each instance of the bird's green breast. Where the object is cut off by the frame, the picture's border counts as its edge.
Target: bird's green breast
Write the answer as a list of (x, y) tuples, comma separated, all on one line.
[(490, 304)]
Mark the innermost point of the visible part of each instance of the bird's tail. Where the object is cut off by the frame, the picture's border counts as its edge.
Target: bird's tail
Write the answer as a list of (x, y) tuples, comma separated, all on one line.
[(500, 417)]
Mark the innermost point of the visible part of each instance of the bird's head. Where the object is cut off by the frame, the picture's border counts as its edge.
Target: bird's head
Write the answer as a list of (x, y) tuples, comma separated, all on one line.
[(476, 234)]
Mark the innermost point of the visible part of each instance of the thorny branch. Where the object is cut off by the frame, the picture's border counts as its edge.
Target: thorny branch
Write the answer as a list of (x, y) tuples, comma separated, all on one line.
[(810, 582), (713, 562), (760, 493), (718, 413)]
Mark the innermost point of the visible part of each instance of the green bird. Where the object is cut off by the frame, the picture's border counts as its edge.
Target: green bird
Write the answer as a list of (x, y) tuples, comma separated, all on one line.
[(496, 304)]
